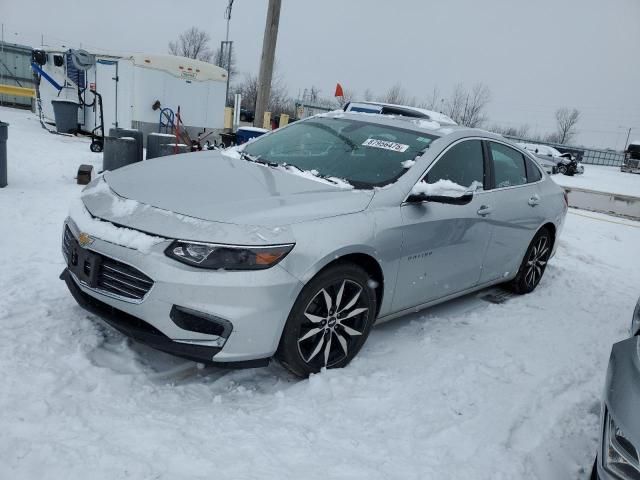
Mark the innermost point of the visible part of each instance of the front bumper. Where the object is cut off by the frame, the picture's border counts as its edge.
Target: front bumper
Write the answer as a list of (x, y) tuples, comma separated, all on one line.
[(621, 398), (256, 304)]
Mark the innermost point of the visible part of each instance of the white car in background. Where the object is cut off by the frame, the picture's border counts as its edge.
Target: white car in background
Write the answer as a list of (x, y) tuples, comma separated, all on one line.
[(562, 161)]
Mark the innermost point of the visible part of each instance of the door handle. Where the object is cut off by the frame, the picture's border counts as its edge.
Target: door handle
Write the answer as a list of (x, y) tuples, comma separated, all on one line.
[(484, 210), (534, 200)]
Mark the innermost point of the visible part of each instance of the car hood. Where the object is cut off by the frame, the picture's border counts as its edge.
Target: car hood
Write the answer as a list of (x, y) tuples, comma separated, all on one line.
[(211, 188)]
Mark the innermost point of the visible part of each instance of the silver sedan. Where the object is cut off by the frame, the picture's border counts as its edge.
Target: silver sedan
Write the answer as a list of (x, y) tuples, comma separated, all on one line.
[(295, 245)]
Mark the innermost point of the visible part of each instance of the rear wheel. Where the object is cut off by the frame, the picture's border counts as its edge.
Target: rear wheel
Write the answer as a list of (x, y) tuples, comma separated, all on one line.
[(534, 263), (562, 169), (329, 322)]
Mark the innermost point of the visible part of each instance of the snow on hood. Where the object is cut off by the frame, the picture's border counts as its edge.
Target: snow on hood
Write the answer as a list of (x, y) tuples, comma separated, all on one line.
[(161, 196)]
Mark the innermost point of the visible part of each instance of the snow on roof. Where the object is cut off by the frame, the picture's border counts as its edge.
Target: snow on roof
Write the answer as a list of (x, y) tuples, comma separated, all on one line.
[(441, 118), (254, 129)]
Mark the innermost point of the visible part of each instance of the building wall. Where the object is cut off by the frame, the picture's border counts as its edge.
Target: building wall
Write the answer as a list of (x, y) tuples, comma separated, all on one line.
[(15, 69)]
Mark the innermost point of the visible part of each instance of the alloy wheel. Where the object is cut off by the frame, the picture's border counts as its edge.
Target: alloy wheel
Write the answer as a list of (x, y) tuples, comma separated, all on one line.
[(334, 319), (537, 261)]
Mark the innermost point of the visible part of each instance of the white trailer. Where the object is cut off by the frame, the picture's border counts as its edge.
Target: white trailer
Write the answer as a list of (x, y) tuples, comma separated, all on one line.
[(134, 88)]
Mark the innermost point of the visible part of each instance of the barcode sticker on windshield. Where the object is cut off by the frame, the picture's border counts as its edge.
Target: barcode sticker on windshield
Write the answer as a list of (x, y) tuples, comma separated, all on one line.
[(385, 145)]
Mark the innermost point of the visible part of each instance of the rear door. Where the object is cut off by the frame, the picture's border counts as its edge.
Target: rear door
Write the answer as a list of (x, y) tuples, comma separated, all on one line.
[(443, 245), (515, 212)]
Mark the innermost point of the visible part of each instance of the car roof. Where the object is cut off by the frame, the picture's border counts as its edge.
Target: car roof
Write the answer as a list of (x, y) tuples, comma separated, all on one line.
[(405, 110)]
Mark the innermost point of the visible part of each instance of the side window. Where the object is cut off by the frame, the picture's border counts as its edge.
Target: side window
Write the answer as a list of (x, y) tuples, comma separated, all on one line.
[(508, 166), (462, 164), (533, 172)]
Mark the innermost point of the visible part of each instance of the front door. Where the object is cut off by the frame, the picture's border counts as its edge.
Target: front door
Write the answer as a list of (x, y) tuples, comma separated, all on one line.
[(444, 245)]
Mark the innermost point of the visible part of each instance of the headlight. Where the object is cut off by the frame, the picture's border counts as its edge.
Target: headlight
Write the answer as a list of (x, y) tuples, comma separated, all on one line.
[(635, 321), (227, 257), (621, 457)]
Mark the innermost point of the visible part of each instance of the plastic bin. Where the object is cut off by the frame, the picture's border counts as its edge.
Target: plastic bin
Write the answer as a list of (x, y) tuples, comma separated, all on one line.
[(135, 134), (244, 134), (66, 115)]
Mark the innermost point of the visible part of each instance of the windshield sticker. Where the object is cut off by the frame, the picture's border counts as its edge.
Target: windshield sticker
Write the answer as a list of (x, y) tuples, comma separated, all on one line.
[(385, 145), (423, 139)]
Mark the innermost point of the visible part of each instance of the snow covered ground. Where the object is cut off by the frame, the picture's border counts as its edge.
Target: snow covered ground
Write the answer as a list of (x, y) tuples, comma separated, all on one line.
[(603, 179), (467, 390)]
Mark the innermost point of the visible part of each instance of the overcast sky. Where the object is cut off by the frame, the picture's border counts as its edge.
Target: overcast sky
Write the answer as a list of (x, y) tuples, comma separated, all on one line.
[(535, 56)]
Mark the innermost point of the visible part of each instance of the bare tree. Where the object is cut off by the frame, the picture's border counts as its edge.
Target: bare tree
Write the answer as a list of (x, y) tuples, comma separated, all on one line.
[(566, 128), (279, 101), (521, 132), (368, 95), (192, 43), (396, 95), (434, 102), (467, 107)]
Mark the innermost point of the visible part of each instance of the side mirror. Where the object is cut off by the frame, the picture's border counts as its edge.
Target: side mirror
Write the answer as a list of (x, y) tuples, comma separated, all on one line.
[(463, 199)]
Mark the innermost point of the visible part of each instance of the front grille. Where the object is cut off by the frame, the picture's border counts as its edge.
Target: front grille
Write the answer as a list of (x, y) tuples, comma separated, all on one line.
[(114, 277), (66, 242), (122, 279)]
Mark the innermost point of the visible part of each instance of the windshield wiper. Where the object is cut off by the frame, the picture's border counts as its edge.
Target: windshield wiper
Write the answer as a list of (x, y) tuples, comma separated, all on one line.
[(256, 159)]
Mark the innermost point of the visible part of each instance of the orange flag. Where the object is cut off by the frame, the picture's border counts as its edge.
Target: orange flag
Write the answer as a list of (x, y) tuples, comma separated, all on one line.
[(339, 92)]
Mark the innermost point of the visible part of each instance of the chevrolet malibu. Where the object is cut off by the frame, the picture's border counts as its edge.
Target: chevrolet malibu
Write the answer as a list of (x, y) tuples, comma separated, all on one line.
[(294, 245)]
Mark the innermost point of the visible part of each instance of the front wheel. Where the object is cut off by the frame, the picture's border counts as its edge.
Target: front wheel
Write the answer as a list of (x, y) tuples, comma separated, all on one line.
[(562, 169), (534, 263), (329, 322)]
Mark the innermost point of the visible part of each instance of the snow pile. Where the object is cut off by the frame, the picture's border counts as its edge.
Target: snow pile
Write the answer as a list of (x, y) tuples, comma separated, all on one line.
[(108, 232), (314, 175), (120, 206), (408, 163), (443, 188), (427, 124), (232, 152)]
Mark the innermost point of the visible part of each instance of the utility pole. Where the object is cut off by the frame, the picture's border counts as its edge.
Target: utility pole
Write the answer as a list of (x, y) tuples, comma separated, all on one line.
[(626, 144), (267, 59), (228, 45)]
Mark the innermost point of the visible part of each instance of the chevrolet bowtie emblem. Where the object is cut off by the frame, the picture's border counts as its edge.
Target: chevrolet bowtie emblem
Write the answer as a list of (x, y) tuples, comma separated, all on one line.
[(84, 239)]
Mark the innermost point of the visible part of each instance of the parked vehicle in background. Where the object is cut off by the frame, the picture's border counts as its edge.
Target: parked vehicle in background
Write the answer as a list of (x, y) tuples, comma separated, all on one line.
[(618, 457), (295, 244), (632, 158), (566, 163), (246, 115), (401, 110)]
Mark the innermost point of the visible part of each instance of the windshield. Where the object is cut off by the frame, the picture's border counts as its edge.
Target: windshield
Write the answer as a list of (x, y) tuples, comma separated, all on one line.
[(364, 154)]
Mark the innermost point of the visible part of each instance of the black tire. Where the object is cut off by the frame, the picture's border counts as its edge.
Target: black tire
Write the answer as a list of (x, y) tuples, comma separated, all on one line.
[(95, 147), (533, 264), (317, 334), (562, 169)]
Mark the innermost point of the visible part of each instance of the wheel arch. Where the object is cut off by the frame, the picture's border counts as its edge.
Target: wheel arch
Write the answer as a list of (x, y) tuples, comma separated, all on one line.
[(363, 259)]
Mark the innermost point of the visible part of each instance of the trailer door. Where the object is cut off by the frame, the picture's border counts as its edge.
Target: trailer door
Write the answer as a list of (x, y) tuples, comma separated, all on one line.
[(107, 86)]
